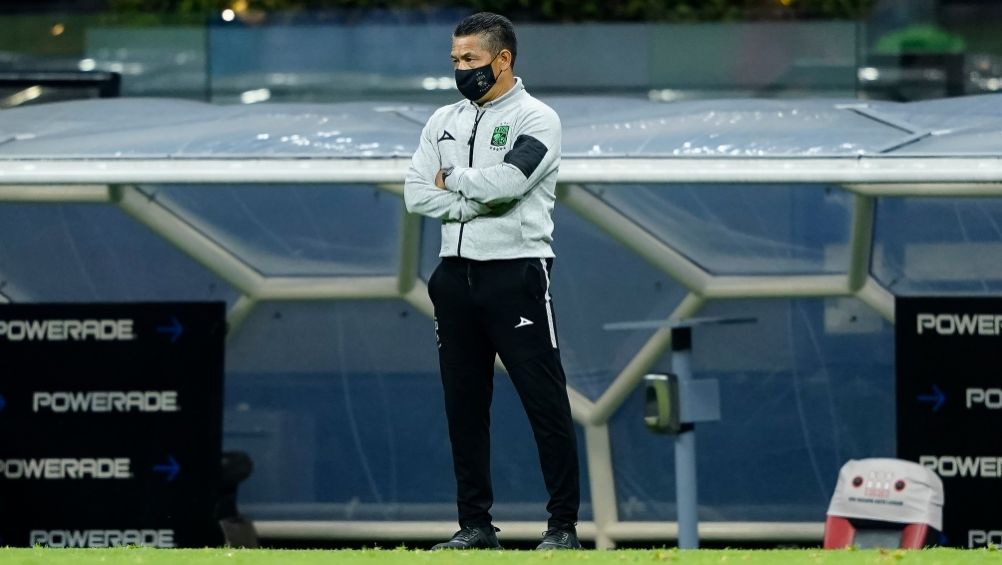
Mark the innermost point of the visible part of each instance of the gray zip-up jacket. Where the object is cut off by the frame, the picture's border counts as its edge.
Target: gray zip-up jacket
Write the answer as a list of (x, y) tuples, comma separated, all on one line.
[(499, 196)]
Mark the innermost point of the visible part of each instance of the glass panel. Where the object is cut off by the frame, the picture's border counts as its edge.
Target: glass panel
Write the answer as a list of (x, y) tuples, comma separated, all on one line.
[(939, 245), (806, 388), (154, 60), (900, 51), (619, 127), (314, 59), (590, 264), (338, 55), (296, 230), (791, 58), (930, 49), (339, 404), (744, 230), (93, 253), (156, 55)]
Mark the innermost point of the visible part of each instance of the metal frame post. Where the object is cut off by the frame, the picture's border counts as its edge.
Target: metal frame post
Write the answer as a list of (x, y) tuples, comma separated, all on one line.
[(686, 487)]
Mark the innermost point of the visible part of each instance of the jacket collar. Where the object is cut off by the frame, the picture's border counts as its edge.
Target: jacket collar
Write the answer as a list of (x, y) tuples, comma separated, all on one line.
[(516, 92)]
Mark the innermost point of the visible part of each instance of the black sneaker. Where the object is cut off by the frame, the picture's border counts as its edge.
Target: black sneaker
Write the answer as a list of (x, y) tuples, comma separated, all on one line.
[(560, 538), (472, 537)]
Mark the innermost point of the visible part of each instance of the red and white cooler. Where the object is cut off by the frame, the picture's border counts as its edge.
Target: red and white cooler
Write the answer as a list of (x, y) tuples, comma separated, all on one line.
[(884, 503)]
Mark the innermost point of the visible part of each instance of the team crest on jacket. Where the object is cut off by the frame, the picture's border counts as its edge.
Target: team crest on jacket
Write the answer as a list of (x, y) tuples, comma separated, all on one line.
[(499, 139)]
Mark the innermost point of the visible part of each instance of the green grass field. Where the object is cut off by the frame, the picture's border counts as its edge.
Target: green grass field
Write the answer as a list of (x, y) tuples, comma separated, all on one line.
[(147, 556)]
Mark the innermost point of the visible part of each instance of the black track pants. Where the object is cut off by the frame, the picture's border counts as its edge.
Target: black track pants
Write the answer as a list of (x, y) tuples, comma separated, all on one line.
[(503, 307)]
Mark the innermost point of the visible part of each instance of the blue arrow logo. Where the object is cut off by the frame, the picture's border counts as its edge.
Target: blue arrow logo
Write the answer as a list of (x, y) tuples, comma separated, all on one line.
[(170, 470), (937, 398), (175, 329)]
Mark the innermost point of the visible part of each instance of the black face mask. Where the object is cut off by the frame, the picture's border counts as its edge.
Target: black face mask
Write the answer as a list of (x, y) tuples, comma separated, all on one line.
[(474, 83)]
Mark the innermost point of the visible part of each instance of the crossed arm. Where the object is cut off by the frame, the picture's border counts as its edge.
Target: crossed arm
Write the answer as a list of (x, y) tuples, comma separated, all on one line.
[(422, 195), (463, 193)]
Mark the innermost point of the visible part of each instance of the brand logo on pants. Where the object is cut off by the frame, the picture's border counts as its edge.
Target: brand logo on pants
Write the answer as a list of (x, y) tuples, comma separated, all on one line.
[(522, 322)]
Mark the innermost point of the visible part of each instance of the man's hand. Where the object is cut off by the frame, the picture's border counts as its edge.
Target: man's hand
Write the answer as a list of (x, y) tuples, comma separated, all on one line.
[(440, 177)]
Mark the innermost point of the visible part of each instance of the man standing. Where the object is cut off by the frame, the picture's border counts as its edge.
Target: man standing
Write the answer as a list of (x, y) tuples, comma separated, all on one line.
[(487, 167)]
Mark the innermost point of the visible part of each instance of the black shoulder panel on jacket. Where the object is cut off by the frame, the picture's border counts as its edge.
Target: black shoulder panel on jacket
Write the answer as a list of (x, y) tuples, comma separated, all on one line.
[(526, 154)]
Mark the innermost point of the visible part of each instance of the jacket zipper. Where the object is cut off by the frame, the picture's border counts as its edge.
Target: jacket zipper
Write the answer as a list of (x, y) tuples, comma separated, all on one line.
[(473, 136)]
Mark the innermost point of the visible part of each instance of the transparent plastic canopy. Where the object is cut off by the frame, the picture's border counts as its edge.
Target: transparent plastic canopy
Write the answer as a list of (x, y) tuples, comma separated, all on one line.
[(593, 127)]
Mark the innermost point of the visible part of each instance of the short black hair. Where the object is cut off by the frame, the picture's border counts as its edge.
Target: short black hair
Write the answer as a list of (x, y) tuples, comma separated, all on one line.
[(496, 32)]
